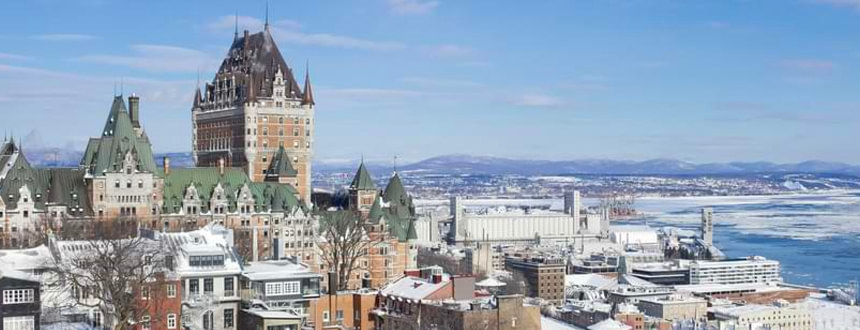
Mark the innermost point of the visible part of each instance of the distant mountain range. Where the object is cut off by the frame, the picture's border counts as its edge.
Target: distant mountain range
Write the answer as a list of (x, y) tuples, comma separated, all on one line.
[(467, 164), (488, 165)]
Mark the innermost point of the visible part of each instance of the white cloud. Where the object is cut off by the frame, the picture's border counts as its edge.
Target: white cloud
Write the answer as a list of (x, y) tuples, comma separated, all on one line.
[(432, 82), (449, 51), (412, 7), (808, 65), (9, 56), (228, 24), (535, 100), (842, 3), (372, 92), (290, 31), (63, 37), (159, 58), (331, 40)]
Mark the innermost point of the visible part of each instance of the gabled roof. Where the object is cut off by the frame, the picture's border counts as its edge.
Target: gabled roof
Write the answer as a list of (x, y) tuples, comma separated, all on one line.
[(19, 174), (281, 166), (362, 179), (204, 179)]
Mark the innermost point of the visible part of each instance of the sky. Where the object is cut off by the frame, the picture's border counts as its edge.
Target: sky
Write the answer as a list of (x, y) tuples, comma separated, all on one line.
[(701, 81)]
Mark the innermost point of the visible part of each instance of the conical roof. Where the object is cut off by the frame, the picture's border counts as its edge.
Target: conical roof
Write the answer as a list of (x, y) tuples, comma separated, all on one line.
[(281, 165), (394, 191), (308, 97), (362, 179)]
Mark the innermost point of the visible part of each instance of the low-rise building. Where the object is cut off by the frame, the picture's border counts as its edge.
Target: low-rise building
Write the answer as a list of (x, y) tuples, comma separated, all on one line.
[(20, 307), (735, 271), (498, 312), (778, 316), (675, 307), (278, 286), (209, 270)]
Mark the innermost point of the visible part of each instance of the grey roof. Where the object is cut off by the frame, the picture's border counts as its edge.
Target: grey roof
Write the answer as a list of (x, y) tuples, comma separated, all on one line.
[(252, 61)]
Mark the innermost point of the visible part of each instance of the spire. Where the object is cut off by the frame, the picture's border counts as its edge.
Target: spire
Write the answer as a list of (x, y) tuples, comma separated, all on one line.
[(236, 27), (308, 95), (267, 16)]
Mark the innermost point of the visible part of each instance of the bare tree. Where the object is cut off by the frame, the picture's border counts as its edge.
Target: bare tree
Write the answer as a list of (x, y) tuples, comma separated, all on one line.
[(121, 277), (427, 257), (344, 241)]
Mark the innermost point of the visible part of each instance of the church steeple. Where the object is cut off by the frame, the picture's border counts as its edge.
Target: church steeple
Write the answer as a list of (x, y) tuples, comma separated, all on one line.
[(266, 27)]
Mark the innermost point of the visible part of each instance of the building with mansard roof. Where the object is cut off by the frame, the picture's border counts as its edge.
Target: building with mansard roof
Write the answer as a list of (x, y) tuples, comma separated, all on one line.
[(253, 114)]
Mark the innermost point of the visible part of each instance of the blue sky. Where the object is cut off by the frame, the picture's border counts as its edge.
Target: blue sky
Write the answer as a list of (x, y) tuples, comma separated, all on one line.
[(694, 80)]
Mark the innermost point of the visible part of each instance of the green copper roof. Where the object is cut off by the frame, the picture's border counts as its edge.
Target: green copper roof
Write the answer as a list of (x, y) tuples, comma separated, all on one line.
[(106, 154), (281, 165), (267, 195), (394, 191), (362, 179), (375, 211), (55, 186)]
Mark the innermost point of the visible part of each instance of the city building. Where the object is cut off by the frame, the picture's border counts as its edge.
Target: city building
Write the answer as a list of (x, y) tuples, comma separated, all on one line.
[(735, 271), (390, 222), (753, 293), (252, 107), (777, 316), (399, 302), (543, 277), (484, 258), (676, 272), (344, 310), (278, 285), (209, 270), (20, 307), (497, 312), (674, 307), (523, 227)]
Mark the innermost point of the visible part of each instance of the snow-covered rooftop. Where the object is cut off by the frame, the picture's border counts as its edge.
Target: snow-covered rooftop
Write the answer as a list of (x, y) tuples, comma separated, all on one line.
[(410, 287), (276, 269)]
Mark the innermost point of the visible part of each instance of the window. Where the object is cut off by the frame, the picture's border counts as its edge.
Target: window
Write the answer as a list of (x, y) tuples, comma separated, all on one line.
[(325, 316), (171, 291), (194, 286), (140, 183), (282, 288), (228, 318), (144, 323), (207, 285), (208, 323), (144, 292), (228, 286), (19, 296), (19, 323), (128, 183), (116, 184), (339, 315), (171, 320)]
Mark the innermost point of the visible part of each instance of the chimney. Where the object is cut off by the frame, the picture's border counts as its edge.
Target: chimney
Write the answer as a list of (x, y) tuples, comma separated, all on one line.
[(332, 283), (221, 165), (134, 110), (166, 165)]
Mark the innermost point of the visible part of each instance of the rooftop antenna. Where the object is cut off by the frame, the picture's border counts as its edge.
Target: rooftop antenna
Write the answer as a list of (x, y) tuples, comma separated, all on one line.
[(121, 85), (395, 164)]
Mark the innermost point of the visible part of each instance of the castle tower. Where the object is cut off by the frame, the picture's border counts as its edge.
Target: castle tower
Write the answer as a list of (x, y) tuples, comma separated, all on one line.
[(362, 190), (253, 107)]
